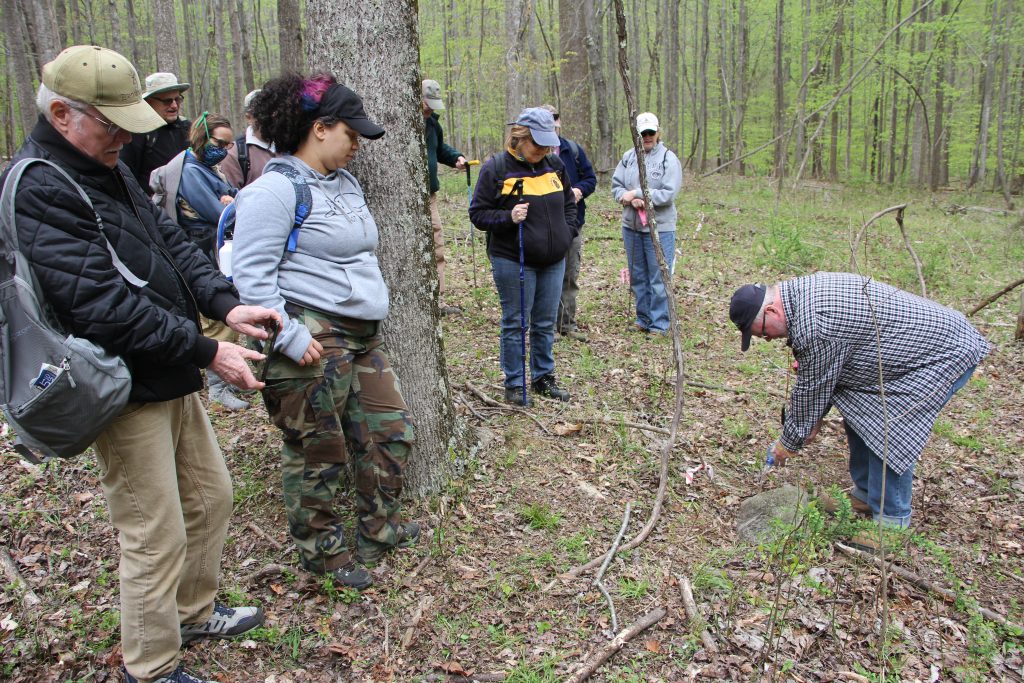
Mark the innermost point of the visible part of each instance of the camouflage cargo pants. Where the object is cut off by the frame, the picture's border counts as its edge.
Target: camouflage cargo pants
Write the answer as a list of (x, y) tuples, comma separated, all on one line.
[(346, 410)]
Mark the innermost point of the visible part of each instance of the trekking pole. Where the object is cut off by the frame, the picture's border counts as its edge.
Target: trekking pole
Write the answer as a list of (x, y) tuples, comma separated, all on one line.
[(517, 197), (469, 200)]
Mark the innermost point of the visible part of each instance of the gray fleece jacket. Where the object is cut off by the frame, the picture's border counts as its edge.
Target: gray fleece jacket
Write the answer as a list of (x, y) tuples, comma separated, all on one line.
[(664, 178), (334, 268)]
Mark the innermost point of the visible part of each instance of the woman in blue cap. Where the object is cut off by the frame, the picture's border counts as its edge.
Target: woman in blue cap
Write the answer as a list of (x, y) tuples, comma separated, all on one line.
[(525, 204)]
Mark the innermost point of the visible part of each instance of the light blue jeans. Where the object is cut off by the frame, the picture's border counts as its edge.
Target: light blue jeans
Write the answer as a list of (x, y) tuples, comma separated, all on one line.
[(542, 291), (866, 472), (645, 277)]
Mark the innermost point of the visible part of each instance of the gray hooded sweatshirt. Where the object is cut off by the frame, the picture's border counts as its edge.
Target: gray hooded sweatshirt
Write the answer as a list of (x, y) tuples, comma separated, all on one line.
[(664, 178), (334, 267)]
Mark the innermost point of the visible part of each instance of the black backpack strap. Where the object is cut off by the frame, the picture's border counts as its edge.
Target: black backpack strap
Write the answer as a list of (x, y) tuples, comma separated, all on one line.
[(303, 203), (243, 158), (499, 173)]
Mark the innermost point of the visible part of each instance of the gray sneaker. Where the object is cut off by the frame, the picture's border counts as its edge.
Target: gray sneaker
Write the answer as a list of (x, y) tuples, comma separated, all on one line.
[(225, 622), (225, 395), (179, 675)]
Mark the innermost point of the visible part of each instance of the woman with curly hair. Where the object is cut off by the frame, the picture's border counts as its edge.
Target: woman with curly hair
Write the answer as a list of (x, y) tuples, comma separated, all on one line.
[(202, 195), (329, 385)]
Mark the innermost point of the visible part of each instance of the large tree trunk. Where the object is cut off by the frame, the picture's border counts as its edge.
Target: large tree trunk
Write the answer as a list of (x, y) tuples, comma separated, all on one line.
[(979, 160), (740, 89), (575, 102), (592, 27), (517, 18), (43, 35), (778, 116), (341, 33), (290, 33), (165, 30), (939, 159), (24, 79)]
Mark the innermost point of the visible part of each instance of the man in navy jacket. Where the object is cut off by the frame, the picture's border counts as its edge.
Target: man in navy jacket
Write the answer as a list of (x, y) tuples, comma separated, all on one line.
[(584, 182)]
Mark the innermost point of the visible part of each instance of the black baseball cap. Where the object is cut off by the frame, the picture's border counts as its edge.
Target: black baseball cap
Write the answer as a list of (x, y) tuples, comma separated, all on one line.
[(743, 309), (342, 103)]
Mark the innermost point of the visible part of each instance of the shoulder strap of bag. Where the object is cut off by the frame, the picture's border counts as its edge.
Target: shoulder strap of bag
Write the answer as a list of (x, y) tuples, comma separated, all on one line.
[(10, 232), (303, 203), (243, 158)]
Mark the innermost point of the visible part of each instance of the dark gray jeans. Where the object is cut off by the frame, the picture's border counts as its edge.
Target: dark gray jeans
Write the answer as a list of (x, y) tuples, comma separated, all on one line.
[(570, 288)]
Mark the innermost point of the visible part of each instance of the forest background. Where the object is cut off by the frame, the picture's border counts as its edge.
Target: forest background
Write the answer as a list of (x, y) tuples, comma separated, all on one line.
[(916, 92)]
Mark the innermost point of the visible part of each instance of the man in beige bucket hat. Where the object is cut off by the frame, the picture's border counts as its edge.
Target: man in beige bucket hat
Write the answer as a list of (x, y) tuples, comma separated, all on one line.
[(165, 96), (163, 475)]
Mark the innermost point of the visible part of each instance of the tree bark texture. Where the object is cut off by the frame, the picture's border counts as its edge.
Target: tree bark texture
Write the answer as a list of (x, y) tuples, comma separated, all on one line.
[(289, 26), (165, 31), (574, 104), (24, 78), (391, 171)]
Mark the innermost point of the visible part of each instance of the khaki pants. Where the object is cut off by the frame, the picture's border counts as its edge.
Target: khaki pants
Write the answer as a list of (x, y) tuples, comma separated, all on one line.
[(435, 223), (169, 495), (215, 329)]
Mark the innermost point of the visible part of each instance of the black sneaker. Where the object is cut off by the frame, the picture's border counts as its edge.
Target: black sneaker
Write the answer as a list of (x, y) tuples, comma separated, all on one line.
[(225, 622), (514, 395), (351, 576), (547, 386), (179, 675)]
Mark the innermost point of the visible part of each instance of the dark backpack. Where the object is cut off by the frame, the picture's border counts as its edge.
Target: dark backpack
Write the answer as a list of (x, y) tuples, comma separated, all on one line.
[(243, 158), (59, 391), (226, 224)]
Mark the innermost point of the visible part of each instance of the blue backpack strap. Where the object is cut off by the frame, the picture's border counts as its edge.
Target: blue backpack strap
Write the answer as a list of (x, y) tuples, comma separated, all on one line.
[(303, 203)]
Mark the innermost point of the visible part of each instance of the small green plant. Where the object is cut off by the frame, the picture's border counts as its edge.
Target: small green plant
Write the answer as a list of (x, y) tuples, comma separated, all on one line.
[(633, 588), (543, 672), (539, 516), (501, 638), (737, 427)]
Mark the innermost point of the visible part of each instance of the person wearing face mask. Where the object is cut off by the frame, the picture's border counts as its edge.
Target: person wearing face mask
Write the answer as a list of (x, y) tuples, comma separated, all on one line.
[(202, 195), (664, 179), (330, 387)]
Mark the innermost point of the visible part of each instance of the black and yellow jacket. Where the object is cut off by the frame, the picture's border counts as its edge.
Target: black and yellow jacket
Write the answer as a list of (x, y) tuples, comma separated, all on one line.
[(550, 224)]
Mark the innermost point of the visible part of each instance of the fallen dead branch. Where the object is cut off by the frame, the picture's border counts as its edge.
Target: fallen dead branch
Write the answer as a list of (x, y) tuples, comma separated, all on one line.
[(611, 421), (607, 561), (494, 404), (28, 598), (475, 678), (265, 573), (694, 615), (717, 387), (1005, 290), (606, 652), (252, 526), (925, 584), (417, 616), (462, 397)]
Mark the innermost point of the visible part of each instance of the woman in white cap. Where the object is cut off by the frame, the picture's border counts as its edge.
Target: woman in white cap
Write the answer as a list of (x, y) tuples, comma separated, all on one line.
[(525, 204), (664, 179)]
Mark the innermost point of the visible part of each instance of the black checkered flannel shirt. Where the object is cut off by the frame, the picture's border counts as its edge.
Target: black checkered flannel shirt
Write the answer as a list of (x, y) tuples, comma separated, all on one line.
[(925, 348)]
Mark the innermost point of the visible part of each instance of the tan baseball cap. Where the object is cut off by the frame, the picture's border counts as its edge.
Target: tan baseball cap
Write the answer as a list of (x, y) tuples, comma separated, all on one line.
[(103, 78), (431, 92)]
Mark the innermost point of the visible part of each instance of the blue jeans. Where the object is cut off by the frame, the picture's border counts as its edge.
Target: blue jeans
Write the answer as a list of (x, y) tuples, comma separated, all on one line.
[(866, 472), (645, 277), (542, 290)]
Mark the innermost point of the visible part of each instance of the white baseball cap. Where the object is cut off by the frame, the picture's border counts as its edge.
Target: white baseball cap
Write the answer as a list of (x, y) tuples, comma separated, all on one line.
[(647, 121)]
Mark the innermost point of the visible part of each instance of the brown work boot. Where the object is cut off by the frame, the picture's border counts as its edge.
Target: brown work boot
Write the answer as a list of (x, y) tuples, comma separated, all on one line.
[(827, 503)]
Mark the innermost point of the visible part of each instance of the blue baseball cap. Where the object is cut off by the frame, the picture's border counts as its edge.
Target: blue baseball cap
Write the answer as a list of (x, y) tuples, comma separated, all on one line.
[(541, 124)]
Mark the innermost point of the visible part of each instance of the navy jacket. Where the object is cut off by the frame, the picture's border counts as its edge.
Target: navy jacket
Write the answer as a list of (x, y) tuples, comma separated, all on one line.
[(581, 175)]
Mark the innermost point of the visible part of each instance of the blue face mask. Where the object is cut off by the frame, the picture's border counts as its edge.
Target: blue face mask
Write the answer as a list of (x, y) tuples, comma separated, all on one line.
[(212, 155)]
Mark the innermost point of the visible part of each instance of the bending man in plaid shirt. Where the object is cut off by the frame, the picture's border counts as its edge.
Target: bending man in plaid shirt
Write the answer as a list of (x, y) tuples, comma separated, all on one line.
[(840, 326)]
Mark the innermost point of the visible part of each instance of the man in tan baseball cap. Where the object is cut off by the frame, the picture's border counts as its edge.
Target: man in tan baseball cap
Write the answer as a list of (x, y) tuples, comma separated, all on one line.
[(144, 153), (172, 527), (104, 79)]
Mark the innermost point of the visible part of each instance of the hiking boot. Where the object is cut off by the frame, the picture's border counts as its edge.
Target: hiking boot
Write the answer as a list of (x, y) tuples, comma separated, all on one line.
[(574, 334), (225, 622), (547, 386), (831, 505), (369, 553), (223, 393), (351, 576), (514, 395), (179, 675)]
